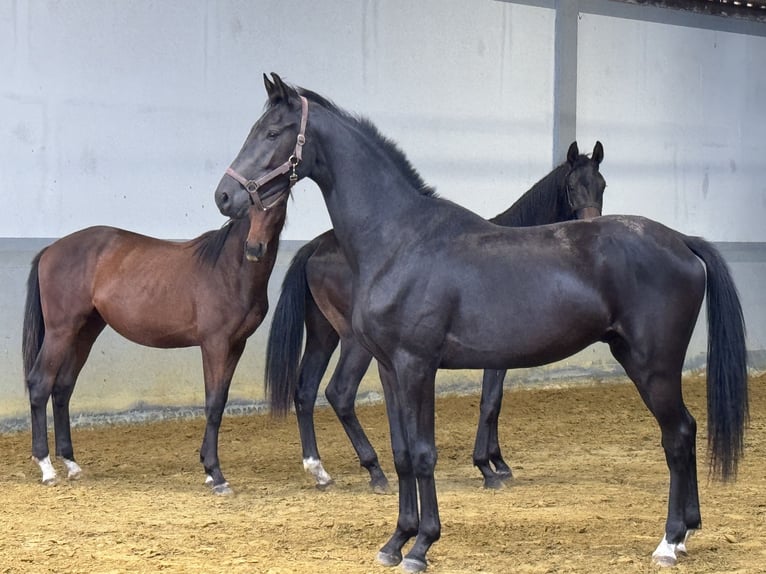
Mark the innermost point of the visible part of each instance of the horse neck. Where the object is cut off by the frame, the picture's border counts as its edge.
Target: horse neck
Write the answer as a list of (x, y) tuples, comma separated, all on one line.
[(545, 202), (248, 277), (365, 190)]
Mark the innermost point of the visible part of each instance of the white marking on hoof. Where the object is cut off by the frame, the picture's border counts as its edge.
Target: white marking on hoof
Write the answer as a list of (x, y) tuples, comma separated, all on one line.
[(314, 467), (73, 469), (681, 548), (49, 473), (665, 554)]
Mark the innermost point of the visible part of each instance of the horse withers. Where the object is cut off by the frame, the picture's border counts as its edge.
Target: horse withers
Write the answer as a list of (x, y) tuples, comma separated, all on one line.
[(209, 292), (320, 275)]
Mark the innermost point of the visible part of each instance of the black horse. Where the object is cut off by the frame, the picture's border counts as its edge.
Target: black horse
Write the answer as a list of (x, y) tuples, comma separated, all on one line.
[(436, 285), (316, 292)]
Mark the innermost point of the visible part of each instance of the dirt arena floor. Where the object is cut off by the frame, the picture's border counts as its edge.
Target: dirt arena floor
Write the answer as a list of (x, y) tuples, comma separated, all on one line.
[(589, 495)]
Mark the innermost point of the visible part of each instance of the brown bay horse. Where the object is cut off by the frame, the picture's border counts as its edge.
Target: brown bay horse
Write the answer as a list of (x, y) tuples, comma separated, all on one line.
[(437, 286), (209, 292), (319, 275)]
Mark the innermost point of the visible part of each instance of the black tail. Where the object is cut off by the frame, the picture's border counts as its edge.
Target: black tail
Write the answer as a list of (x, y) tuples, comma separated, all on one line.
[(34, 327), (727, 401), (283, 351)]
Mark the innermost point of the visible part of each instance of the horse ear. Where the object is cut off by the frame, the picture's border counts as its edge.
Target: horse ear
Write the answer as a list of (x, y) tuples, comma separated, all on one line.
[(279, 91), (270, 87), (573, 153), (598, 153)]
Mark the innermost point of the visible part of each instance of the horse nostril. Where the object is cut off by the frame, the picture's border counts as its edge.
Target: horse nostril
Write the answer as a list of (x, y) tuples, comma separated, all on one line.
[(224, 198)]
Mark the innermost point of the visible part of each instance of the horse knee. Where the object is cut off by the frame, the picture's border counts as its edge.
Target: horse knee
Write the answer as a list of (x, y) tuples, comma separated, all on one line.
[(424, 460), (403, 462)]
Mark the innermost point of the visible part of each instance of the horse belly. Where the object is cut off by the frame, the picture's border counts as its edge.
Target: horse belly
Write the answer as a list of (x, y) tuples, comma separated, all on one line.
[(512, 332), (148, 311)]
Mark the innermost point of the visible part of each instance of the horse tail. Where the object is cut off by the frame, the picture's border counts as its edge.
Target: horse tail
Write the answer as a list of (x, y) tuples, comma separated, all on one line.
[(33, 331), (727, 397), (283, 350)]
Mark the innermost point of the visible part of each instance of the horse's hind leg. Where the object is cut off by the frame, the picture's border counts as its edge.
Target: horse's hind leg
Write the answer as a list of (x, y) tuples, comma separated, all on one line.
[(62, 393), (661, 392), (341, 393), (487, 447), (218, 363), (321, 341), (55, 352)]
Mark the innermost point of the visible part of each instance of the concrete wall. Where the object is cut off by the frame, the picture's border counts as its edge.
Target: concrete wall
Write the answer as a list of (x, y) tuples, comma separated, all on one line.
[(127, 114)]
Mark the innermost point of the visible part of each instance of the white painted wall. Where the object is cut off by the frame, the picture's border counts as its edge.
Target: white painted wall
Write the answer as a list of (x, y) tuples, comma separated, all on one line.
[(682, 115), (128, 113)]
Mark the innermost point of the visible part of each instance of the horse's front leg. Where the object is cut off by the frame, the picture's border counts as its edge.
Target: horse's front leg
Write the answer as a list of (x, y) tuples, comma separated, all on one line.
[(218, 365), (414, 403), (487, 447), (407, 522)]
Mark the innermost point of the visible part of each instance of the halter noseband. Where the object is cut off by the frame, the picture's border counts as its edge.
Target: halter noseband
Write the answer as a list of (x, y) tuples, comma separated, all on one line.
[(253, 185)]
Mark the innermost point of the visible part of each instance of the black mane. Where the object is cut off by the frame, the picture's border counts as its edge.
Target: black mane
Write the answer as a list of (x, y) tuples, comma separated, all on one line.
[(369, 129), (542, 198), (209, 246)]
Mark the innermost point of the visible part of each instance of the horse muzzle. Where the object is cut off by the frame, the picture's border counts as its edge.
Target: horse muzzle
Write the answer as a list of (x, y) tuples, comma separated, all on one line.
[(255, 252)]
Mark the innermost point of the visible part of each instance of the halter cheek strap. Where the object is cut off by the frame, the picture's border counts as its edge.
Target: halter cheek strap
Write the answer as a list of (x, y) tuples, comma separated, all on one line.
[(253, 185)]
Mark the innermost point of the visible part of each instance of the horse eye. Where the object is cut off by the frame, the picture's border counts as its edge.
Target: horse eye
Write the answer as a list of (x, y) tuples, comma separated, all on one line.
[(272, 134)]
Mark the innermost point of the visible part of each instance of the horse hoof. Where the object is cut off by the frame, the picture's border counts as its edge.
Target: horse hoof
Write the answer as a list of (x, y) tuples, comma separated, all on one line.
[(74, 475), (323, 486), (413, 565), (222, 489), (380, 487), (50, 481), (664, 561), (386, 559), (504, 474), (493, 483)]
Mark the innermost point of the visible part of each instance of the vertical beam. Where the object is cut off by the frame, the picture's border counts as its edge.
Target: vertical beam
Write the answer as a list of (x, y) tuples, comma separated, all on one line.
[(565, 78)]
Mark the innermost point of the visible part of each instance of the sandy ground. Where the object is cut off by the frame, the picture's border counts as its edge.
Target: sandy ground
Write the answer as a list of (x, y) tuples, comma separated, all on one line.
[(589, 495)]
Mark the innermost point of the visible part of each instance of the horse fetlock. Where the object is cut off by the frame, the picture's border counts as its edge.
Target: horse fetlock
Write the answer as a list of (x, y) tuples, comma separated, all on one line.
[(314, 467), (49, 477), (665, 554), (681, 547), (74, 472)]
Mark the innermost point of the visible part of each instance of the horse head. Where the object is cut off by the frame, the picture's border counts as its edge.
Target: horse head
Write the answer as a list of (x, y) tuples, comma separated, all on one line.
[(265, 227), (584, 183), (269, 162)]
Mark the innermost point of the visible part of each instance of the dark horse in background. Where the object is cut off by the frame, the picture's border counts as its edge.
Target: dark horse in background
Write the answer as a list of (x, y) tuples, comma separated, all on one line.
[(435, 285), (209, 292), (316, 291)]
